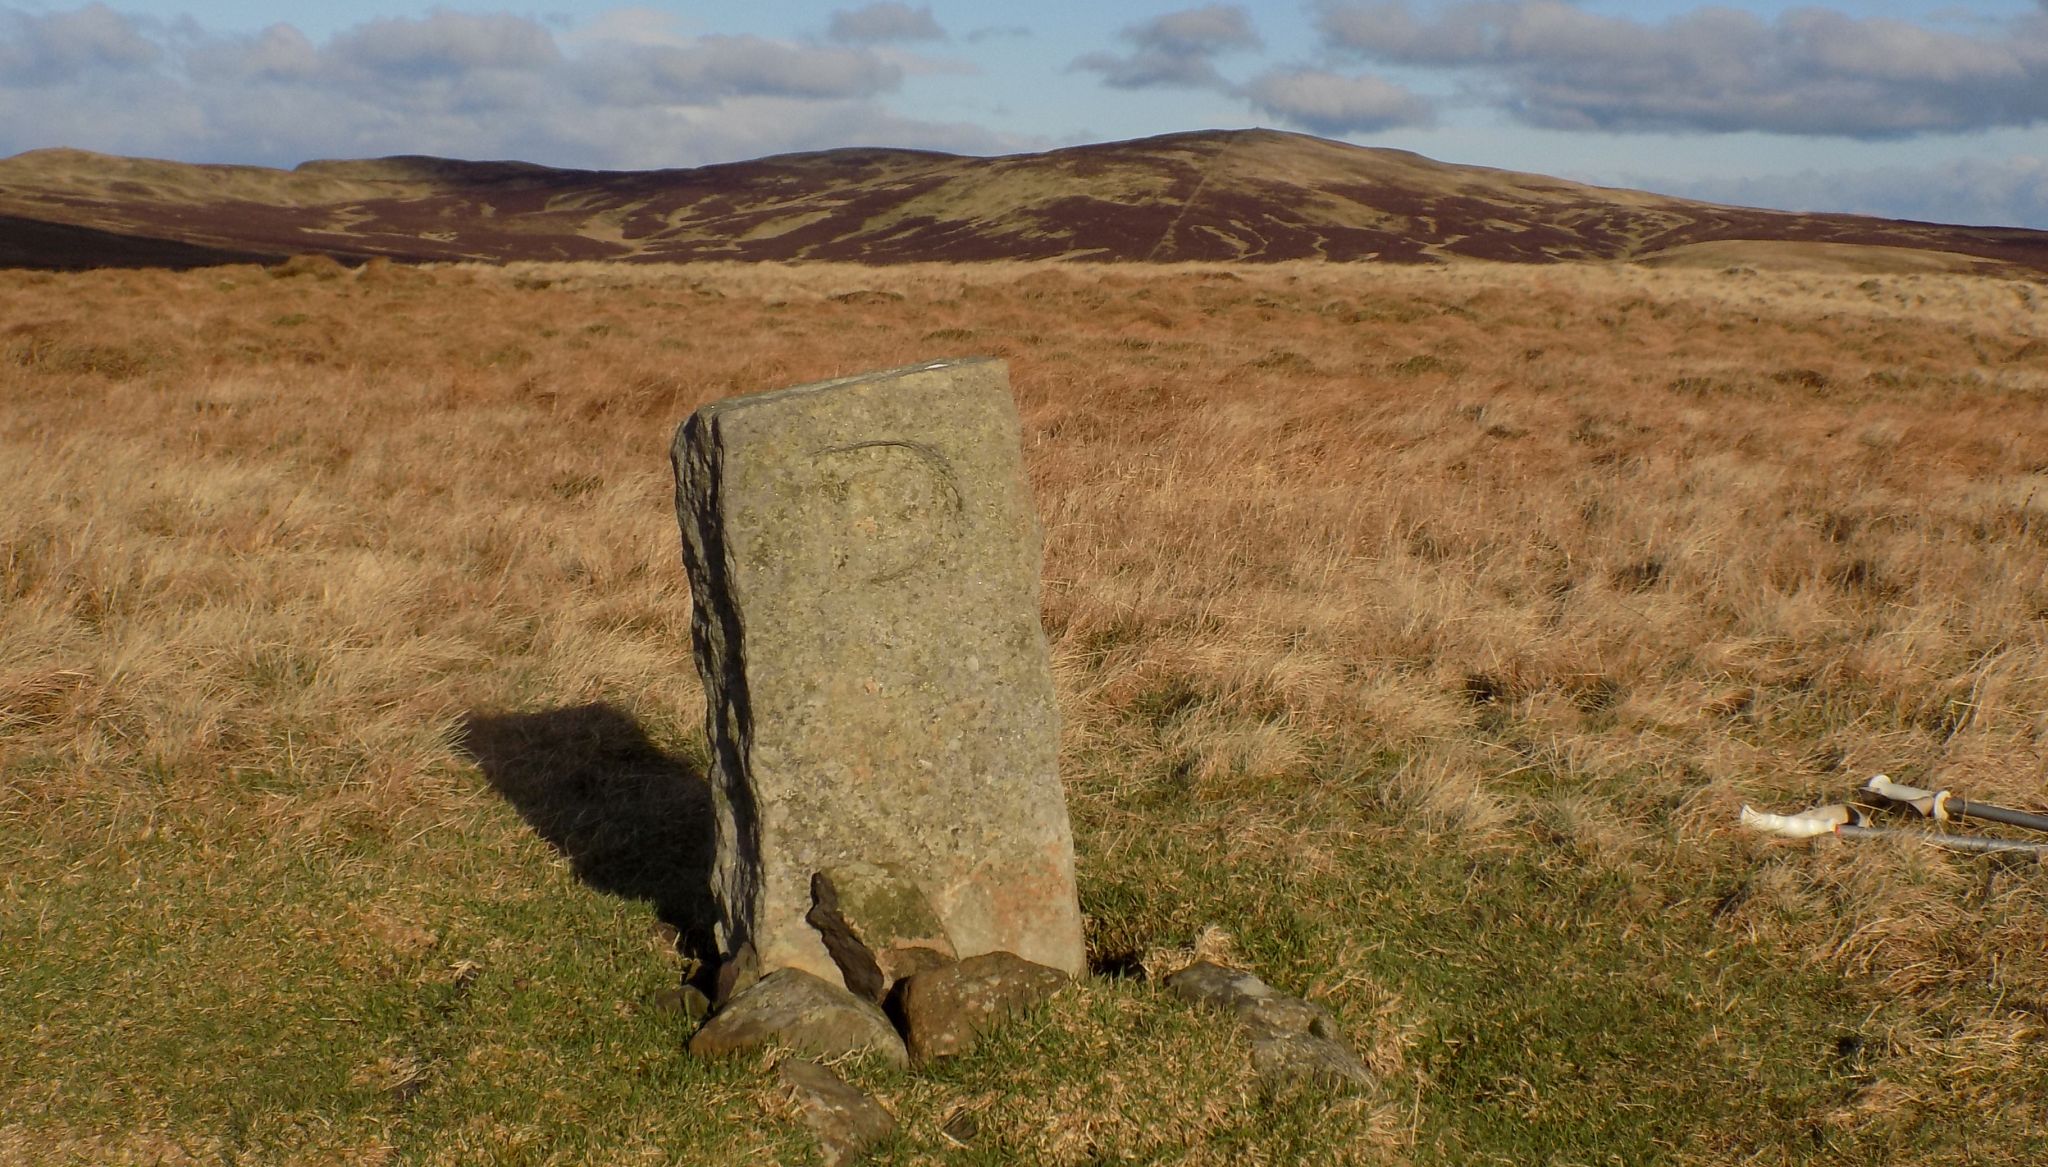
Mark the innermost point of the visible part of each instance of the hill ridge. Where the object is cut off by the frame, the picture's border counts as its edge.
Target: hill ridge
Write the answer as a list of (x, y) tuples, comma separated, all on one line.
[(1253, 195)]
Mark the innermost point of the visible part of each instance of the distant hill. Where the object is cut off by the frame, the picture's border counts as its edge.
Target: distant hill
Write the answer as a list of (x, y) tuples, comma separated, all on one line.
[(1246, 195)]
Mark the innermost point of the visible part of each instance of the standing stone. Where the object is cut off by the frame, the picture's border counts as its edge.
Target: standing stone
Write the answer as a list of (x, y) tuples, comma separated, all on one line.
[(864, 559)]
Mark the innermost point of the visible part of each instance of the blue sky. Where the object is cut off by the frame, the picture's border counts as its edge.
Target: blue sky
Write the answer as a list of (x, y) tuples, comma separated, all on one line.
[(1922, 110)]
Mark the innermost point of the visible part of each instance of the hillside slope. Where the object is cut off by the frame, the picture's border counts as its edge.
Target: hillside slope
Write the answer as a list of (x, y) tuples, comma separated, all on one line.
[(1253, 195)]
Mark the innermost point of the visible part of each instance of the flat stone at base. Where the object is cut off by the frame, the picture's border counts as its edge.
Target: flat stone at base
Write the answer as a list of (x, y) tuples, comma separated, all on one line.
[(736, 974), (687, 1000), (1287, 1058), (1274, 1016), (1293, 1040), (845, 1119), (1213, 985), (793, 1008), (946, 1009)]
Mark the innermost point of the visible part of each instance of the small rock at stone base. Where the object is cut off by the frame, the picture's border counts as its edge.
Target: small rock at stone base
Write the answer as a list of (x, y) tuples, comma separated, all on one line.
[(946, 1009), (845, 1119), (793, 1008), (1264, 1010), (1275, 1016), (736, 974), (687, 1000), (1218, 987), (1288, 1058), (1292, 1040)]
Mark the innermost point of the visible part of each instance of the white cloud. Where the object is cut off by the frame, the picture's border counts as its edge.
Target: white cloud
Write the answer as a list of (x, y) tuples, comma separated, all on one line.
[(445, 44), (633, 25), (2000, 192), (883, 24), (1197, 30), (1175, 49), (624, 90), (1179, 50), (1335, 104), (720, 67), (65, 46), (1809, 71), (997, 32), (279, 53)]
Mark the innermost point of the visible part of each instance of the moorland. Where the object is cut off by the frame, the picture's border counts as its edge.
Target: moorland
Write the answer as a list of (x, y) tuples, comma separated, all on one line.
[(1251, 196), (1419, 632)]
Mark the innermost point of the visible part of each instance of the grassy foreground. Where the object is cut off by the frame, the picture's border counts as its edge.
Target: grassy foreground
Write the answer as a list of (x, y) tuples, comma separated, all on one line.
[(1418, 632)]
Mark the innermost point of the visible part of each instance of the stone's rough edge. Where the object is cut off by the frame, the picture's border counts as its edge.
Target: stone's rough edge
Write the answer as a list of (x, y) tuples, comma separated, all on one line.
[(715, 634)]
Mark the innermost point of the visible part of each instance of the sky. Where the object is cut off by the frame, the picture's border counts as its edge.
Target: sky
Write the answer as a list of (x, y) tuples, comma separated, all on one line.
[(1926, 110)]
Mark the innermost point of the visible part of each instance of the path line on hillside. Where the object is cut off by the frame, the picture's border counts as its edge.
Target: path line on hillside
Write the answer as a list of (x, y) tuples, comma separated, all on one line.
[(1208, 169)]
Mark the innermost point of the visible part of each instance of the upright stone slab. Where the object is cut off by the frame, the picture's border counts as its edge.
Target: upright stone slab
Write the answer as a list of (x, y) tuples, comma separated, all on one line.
[(864, 558)]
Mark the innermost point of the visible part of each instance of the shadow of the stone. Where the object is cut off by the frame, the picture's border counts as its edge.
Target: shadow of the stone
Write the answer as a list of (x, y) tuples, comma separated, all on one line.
[(632, 820)]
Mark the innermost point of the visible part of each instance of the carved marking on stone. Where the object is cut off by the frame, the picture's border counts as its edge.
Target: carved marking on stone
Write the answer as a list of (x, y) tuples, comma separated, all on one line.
[(888, 505)]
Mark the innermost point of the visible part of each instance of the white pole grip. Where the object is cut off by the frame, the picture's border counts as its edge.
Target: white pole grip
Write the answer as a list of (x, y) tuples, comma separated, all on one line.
[(1821, 820), (1932, 803)]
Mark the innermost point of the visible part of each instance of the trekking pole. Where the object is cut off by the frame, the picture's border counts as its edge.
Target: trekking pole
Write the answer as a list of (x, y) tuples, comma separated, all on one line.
[(1942, 805), (1845, 822)]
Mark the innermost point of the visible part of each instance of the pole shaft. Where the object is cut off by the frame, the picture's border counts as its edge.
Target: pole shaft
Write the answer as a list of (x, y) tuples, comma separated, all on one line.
[(1952, 842), (1997, 814)]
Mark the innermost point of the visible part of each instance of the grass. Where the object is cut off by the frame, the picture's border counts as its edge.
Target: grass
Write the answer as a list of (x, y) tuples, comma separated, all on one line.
[(1418, 634)]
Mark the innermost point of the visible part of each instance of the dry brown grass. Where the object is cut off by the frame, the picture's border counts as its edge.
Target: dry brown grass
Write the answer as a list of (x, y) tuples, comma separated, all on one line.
[(1548, 567)]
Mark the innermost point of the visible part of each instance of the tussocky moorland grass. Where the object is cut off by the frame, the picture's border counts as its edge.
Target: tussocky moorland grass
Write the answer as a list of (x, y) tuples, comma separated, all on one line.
[(1418, 631)]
